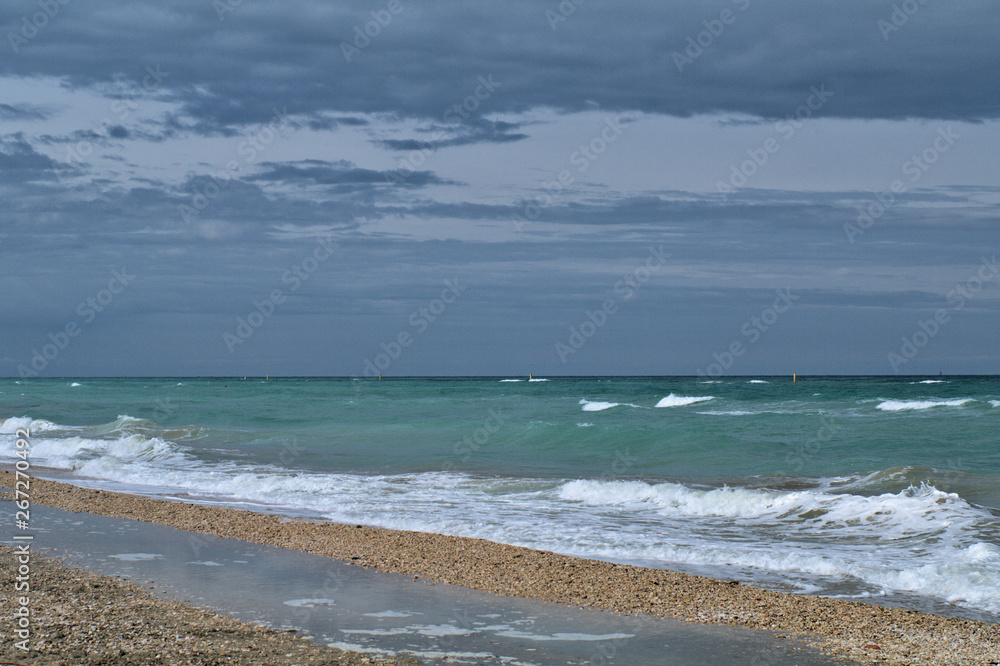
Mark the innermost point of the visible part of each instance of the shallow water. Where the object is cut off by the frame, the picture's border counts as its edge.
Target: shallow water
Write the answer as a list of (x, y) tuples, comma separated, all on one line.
[(360, 609)]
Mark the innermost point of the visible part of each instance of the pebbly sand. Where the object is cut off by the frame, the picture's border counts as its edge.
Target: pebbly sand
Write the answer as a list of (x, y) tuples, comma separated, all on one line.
[(861, 632)]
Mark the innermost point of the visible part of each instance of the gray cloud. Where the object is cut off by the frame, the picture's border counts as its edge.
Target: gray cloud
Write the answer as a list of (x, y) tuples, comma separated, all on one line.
[(394, 236), (230, 72)]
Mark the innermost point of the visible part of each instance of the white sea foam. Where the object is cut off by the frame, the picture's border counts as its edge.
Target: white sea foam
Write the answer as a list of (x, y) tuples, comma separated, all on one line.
[(907, 405), (930, 381), (74, 384), (511, 380), (111, 443), (680, 400), (598, 406), (995, 403), (538, 380), (13, 424), (758, 381), (735, 412)]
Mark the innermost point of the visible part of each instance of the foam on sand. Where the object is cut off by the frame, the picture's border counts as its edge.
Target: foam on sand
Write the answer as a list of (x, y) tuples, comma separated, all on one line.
[(308, 603), (136, 557)]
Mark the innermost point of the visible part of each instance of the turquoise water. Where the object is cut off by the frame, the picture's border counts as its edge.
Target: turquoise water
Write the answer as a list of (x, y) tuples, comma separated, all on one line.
[(860, 486)]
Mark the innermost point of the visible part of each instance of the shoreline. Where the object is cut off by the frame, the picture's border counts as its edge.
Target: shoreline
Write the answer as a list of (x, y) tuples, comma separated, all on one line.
[(862, 632)]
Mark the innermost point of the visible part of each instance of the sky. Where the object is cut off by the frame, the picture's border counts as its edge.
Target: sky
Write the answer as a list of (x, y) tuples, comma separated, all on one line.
[(585, 187)]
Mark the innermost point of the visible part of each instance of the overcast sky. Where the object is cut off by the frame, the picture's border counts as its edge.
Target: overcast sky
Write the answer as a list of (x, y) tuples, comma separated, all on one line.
[(459, 188)]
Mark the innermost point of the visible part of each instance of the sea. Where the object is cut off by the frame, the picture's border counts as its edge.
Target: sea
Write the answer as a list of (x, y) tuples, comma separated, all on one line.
[(880, 489)]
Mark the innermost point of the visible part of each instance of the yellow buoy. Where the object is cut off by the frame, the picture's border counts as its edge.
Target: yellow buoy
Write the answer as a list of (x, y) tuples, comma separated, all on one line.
[(793, 377)]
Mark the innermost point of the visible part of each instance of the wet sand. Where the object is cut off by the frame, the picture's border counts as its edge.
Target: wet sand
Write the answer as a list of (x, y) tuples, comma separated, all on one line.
[(79, 617), (861, 632)]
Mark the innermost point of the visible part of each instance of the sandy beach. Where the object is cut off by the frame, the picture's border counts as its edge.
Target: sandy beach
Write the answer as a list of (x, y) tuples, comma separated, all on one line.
[(865, 633)]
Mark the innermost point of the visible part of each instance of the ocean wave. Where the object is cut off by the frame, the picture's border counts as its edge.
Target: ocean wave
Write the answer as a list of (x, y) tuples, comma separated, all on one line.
[(124, 440), (995, 403), (34, 426), (758, 381), (11, 425), (795, 532), (680, 400), (915, 510), (75, 452), (907, 405), (511, 380), (930, 381)]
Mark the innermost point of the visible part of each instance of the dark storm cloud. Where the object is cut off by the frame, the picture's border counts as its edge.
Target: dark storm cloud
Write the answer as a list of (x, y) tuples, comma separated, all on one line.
[(19, 162), (341, 173), (428, 58), (476, 131), (23, 112)]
